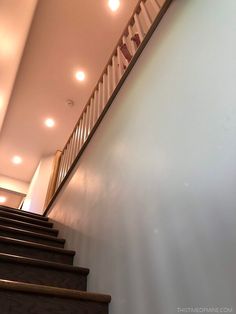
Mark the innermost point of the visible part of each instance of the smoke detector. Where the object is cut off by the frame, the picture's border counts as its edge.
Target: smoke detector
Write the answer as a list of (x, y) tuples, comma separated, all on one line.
[(70, 103)]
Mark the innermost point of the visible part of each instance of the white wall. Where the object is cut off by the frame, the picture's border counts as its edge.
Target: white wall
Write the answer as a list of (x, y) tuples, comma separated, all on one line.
[(36, 195), (15, 21), (151, 207), (14, 185)]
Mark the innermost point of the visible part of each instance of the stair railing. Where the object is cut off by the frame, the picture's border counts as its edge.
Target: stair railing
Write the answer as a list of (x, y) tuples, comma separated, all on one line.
[(145, 18)]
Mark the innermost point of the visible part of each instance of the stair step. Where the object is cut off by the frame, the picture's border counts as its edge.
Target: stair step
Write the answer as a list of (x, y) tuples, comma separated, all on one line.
[(25, 219), (23, 212), (27, 226), (20, 234), (18, 298), (35, 250), (40, 272)]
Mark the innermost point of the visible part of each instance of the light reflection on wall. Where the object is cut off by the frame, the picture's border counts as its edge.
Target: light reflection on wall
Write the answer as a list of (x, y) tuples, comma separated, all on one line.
[(27, 203), (7, 46)]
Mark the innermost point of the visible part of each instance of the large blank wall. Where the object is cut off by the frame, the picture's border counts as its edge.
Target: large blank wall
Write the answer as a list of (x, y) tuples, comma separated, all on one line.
[(151, 207)]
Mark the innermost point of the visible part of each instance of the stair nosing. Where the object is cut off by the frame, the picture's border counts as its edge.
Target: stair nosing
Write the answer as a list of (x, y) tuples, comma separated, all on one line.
[(32, 234), (24, 212), (54, 291), (37, 245), (43, 264), (52, 230), (31, 220)]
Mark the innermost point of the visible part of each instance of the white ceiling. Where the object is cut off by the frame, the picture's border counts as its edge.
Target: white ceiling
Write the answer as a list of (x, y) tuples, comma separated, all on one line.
[(15, 19), (64, 36)]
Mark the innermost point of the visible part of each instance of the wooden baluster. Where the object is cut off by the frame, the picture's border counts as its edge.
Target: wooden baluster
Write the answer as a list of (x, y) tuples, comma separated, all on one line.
[(114, 72), (133, 47), (73, 147), (139, 27), (103, 96), (90, 123), (82, 131), (109, 89), (124, 41), (126, 51), (61, 169), (75, 143), (156, 6), (66, 161), (146, 15), (77, 139), (104, 90), (68, 157), (120, 63), (70, 151), (84, 127), (89, 119), (95, 109), (161, 2), (79, 135), (100, 91), (86, 123), (64, 165)]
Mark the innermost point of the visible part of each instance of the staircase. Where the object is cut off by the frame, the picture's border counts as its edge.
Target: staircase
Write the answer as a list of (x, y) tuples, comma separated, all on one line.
[(37, 275)]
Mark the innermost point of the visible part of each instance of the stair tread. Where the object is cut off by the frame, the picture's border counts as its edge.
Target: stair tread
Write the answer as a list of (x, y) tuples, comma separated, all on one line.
[(42, 263), (25, 224), (23, 212), (36, 245), (26, 219), (54, 291), (33, 234)]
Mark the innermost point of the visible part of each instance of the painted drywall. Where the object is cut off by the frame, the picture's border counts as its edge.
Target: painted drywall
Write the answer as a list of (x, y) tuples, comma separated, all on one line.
[(151, 207), (14, 185), (15, 21), (36, 195)]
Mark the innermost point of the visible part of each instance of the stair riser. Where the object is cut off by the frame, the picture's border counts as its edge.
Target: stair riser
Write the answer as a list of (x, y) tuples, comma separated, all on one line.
[(25, 219), (28, 228), (42, 276), (25, 237), (17, 303), (37, 253), (23, 213)]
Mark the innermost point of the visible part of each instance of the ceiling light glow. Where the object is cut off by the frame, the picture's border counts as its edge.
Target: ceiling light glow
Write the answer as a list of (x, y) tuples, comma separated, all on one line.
[(17, 160), (49, 123), (3, 199), (80, 76), (114, 5)]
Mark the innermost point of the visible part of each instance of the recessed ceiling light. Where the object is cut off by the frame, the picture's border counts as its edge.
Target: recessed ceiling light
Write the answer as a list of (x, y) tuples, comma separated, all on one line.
[(3, 199), (17, 160), (49, 122), (80, 76), (114, 5)]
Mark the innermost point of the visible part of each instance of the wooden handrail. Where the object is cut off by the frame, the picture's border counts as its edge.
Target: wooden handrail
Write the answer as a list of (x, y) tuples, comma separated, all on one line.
[(95, 110)]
